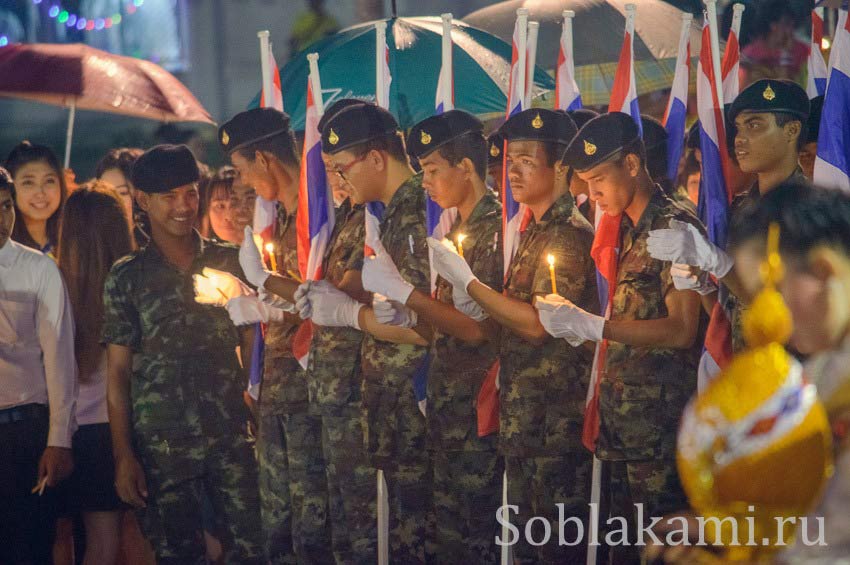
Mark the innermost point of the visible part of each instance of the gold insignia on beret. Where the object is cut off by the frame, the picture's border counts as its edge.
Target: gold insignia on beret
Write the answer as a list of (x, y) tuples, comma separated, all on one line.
[(589, 148), (494, 150), (424, 137), (537, 122), (333, 138), (768, 94), (225, 137)]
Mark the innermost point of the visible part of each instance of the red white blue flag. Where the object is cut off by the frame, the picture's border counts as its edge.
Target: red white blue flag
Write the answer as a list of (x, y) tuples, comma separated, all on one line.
[(624, 94), (567, 94), (817, 72), (677, 106), (832, 166), (732, 57)]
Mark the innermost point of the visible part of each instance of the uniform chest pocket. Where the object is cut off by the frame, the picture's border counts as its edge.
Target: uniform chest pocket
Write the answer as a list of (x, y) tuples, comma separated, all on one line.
[(17, 320), (163, 317)]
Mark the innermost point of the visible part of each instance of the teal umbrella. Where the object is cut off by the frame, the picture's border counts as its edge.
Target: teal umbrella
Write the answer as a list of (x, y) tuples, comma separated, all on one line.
[(481, 64)]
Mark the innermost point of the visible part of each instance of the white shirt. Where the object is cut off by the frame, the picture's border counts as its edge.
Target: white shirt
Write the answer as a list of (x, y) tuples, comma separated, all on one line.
[(37, 362)]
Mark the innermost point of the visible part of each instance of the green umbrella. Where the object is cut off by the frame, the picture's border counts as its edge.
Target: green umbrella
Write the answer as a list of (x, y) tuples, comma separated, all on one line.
[(481, 64)]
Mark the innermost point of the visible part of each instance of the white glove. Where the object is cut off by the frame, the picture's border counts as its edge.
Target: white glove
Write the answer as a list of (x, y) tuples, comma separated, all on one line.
[(683, 243), (251, 260), (276, 301), (467, 306), (563, 319), (451, 266), (380, 275), (392, 314), (245, 310), (326, 305), (685, 279), (215, 288)]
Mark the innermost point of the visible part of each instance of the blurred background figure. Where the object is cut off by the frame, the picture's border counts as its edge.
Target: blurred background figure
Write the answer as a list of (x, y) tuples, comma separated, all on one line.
[(114, 168), (774, 51), (810, 147), (311, 26), (689, 177), (41, 191), (216, 221), (95, 232)]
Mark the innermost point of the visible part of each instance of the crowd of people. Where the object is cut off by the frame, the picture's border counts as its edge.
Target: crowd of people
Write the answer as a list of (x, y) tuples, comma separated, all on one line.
[(124, 380)]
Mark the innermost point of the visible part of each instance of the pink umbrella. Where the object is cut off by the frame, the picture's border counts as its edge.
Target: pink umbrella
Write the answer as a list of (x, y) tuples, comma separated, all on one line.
[(79, 76)]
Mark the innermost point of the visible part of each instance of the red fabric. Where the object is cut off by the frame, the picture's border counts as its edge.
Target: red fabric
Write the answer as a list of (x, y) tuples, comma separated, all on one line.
[(488, 403), (718, 337)]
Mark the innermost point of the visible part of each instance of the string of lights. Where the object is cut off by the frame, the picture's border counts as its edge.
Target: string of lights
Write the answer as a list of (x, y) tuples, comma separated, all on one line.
[(82, 23)]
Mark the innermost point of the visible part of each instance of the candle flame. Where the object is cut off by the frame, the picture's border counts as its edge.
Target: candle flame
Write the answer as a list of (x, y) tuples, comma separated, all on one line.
[(551, 260), (270, 247), (460, 238)]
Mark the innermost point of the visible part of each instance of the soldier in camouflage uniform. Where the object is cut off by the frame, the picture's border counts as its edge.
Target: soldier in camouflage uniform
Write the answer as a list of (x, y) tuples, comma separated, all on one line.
[(293, 486), (654, 330), (365, 148), (768, 120), (467, 468), (543, 380), (175, 383)]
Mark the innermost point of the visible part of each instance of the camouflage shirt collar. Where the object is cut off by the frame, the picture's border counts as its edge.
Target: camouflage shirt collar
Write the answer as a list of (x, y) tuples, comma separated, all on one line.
[(198, 242), (408, 191), (486, 206), (561, 208), (657, 202)]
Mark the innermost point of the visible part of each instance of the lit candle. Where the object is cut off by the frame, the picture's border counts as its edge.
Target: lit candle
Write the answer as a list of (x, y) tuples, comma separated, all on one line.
[(460, 239), (272, 258), (551, 260)]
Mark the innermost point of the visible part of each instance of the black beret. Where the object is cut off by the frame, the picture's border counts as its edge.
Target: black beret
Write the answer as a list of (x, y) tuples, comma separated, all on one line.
[(336, 108), (600, 139), (495, 146), (355, 125), (433, 132), (654, 134), (813, 129), (539, 124), (251, 126), (163, 168), (582, 116), (771, 95)]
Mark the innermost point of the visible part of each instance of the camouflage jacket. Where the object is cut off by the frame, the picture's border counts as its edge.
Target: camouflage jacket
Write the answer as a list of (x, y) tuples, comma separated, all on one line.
[(733, 307), (334, 373), (186, 375), (278, 336), (543, 387), (393, 365), (644, 390), (458, 368)]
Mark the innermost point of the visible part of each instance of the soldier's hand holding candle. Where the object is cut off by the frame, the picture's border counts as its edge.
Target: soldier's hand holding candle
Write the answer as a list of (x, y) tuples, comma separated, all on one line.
[(381, 275), (451, 266), (251, 260), (563, 319), (216, 288)]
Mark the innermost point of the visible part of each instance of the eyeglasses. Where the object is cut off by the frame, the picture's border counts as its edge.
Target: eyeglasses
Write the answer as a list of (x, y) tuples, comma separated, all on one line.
[(342, 171)]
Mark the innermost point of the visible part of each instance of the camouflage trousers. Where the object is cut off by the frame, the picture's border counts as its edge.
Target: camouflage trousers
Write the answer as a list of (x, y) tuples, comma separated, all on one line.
[(396, 443), (467, 493), (180, 470), (536, 485), (351, 486), (654, 483), (293, 488)]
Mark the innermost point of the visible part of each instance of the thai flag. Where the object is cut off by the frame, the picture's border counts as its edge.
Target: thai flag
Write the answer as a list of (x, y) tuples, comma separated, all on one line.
[(718, 340), (383, 78), (624, 94), (438, 221), (314, 221), (265, 219), (567, 94), (732, 57), (832, 166), (817, 73), (605, 252), (833, 53), (512, 211), (677, 106)]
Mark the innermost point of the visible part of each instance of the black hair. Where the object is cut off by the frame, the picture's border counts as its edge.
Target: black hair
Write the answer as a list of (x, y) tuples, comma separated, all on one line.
[(470, 146), (6, 182), (554, 152), (23, 154), (783, 118), (807, 217), (121, 158), (281, 147), (392, 143)]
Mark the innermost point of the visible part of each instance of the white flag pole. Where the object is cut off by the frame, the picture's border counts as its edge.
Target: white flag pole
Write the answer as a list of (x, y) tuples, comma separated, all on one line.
[(69, 132), (316, 83), (265, 66), (448, 101), (380, 61), (522, 43), (533, 30)]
